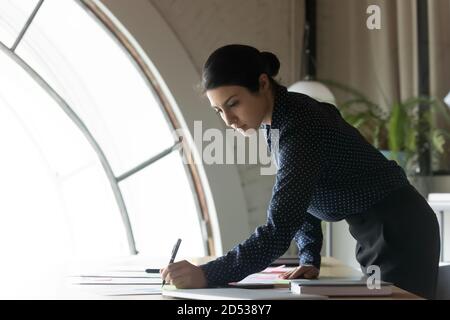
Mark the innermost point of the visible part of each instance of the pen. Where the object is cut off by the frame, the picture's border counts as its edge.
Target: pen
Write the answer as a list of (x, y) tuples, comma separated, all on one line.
[(172, 258)]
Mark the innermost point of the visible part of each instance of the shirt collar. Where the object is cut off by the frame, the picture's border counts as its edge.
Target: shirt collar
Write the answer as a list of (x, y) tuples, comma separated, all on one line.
[(279, 102)]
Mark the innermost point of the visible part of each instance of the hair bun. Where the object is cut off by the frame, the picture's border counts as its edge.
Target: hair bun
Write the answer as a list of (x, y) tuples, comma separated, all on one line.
[(271, 63)]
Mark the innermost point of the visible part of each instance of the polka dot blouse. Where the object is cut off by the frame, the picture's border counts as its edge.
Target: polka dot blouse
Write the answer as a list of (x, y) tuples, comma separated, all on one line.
[(326, 170)]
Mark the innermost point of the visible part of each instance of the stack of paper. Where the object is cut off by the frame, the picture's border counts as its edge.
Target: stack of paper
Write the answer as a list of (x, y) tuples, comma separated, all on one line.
[(340, 287), (118, 282)]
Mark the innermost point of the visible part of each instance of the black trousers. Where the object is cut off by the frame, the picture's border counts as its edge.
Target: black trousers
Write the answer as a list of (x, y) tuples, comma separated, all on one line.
[(400, 235)]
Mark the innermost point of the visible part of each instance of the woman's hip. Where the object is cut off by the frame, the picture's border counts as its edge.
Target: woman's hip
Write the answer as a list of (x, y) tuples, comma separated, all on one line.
[(402, 224)]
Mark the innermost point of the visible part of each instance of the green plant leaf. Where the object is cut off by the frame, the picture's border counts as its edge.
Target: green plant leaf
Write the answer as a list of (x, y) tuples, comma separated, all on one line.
[(401, 126), (411, 141), (356, 120), (396, 128), (376, 135), (438, 140)]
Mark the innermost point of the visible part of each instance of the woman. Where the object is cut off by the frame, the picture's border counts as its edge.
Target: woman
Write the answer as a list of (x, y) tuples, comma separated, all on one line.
[(326, 171)]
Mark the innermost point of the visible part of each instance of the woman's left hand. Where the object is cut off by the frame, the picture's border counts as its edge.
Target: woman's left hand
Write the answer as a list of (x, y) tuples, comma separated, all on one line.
[(307, 272)]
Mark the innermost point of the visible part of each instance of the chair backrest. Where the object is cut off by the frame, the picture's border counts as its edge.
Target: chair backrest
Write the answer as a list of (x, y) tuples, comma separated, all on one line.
[(443, 285)]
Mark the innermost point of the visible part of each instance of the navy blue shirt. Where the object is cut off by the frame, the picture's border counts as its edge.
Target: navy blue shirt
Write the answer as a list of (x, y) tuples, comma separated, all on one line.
[(326, 170)]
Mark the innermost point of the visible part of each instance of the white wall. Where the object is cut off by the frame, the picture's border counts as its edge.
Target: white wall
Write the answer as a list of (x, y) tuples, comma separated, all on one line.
[(343, 244)]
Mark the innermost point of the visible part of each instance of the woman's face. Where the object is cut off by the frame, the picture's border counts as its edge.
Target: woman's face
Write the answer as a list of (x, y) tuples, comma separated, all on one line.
[(241, 109)]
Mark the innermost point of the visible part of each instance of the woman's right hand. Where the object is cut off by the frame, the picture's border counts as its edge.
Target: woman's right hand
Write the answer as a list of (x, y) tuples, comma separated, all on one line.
[(184, 275)]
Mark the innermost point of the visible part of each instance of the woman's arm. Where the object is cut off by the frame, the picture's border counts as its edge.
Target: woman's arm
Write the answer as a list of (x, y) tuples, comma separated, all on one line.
[(300, 163), (309, 241)]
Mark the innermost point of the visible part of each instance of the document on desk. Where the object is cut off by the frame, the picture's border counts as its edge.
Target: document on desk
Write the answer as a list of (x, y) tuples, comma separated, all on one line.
[(269, 276), (116, 281), (115, 278), (101, 280), (119, 274)]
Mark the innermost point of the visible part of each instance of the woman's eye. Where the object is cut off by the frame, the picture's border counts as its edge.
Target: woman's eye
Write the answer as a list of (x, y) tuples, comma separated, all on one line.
[(218, 111), (233, 104)]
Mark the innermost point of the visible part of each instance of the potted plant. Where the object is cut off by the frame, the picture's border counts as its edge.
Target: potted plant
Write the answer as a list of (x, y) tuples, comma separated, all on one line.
[(395, 129)]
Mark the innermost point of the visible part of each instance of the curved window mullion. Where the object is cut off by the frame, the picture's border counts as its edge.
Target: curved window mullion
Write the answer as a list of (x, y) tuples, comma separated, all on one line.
[(79, 123)]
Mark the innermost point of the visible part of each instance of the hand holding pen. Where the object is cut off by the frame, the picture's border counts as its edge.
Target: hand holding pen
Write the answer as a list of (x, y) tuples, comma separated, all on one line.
[(172, 258), (183, 274)]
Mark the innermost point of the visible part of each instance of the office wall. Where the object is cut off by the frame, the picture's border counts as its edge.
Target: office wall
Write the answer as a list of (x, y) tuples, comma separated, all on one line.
[(204, 25), (343, 244)]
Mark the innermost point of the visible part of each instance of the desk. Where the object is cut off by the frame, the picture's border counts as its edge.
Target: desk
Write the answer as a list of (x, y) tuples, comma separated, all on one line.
[(330, 267)]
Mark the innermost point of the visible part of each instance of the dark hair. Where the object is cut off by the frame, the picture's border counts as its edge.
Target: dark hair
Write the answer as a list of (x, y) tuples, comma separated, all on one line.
[(241, 65)]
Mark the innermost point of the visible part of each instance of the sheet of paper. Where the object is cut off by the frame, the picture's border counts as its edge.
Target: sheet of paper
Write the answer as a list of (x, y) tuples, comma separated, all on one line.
[(113, 281), (119, 274), (264, 278), (279, 269)]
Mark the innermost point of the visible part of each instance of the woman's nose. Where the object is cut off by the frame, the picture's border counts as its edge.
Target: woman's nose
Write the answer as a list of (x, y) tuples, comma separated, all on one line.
[(229, 119)]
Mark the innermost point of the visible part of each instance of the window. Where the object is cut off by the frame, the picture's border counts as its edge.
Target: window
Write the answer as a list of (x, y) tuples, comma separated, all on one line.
[(13, 15), (63, 161)]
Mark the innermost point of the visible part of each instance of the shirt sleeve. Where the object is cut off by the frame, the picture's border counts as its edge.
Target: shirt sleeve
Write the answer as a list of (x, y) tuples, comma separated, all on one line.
[(309, 241), (300, 162)]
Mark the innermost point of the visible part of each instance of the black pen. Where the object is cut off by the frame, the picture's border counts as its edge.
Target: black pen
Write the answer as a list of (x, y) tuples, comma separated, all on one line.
[(174, 253), (152, 270)]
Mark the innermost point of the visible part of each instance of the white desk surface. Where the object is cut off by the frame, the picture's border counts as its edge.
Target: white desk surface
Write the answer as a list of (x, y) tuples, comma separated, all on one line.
[(330, 267)]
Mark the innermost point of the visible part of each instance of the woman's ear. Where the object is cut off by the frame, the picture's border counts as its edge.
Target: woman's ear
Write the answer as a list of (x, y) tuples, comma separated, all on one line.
[(264, 83)]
